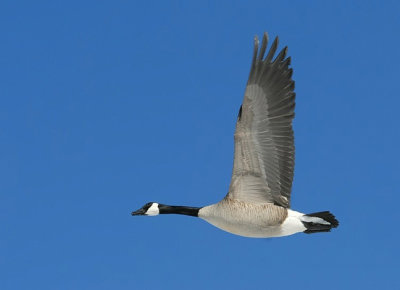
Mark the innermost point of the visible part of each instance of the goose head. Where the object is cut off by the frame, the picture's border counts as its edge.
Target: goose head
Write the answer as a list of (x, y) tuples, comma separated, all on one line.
[(150, 208)]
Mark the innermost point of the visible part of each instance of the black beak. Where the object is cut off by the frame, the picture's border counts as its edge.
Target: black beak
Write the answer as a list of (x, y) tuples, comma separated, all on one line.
[(139, 212)]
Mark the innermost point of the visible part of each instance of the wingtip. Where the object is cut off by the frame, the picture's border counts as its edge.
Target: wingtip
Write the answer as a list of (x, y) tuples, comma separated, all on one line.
[(263, 48), (265, 37), (256, 41), (272, 50), (276, 41), (255, 50)]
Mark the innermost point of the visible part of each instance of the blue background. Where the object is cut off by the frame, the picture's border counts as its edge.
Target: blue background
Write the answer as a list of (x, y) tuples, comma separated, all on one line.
[(106, 105)]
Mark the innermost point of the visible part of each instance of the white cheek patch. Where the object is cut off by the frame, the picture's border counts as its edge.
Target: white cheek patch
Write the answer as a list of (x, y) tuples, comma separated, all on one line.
[(153, 209)]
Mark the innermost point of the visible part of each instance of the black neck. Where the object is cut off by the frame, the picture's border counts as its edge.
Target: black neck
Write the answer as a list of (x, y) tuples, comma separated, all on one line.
[(186, 210)]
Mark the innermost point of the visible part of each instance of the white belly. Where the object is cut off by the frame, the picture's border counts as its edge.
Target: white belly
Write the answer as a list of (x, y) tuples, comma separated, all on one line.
[(247, 230), (252, 221)]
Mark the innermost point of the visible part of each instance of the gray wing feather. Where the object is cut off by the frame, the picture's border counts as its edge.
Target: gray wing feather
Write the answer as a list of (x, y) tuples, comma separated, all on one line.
[(264, 143)]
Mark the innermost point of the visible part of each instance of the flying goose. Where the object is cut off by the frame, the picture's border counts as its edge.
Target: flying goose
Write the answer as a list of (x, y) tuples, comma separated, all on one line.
[(258, 202)]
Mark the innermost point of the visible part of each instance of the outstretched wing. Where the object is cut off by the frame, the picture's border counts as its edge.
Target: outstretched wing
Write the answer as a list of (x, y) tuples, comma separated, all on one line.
[(264, 143)]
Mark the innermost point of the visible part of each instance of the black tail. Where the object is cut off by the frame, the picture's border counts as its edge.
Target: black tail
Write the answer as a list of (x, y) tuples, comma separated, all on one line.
[(314, 224)]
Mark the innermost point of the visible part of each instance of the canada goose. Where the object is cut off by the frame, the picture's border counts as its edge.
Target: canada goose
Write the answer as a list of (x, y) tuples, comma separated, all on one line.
[(258, 202)]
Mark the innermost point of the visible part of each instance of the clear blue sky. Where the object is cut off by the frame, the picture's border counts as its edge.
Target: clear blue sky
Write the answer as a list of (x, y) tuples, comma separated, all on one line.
[(106, 105)]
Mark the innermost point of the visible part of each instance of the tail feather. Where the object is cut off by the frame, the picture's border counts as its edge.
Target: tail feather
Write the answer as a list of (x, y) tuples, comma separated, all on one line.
[(318, 222)]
